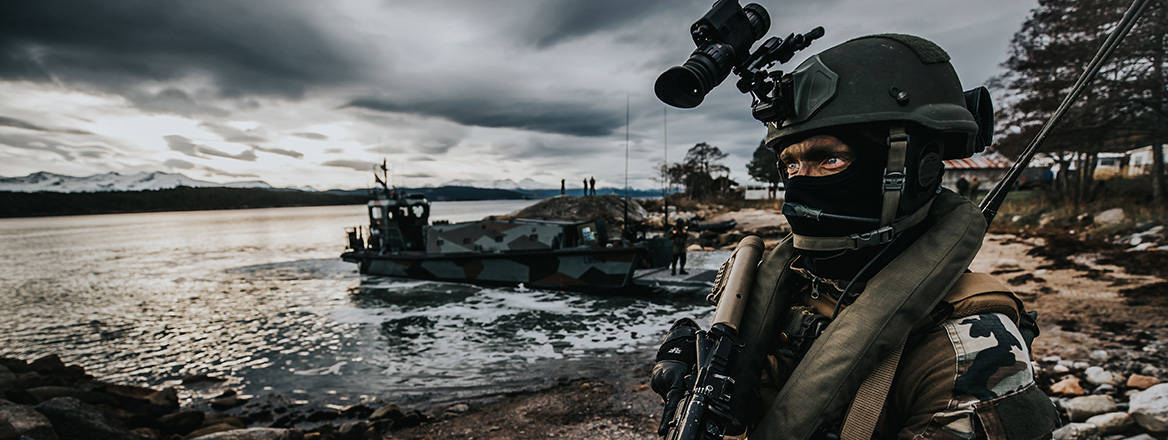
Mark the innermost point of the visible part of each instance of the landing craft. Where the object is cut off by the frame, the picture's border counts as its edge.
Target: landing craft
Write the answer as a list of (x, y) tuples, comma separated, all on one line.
[(545, 254)]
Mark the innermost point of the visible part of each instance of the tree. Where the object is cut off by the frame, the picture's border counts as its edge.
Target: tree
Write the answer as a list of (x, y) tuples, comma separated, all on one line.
[(764, 166), (697, 171), (1123, 108)]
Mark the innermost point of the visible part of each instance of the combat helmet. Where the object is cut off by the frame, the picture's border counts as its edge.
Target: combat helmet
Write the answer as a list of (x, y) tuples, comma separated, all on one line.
[(903, 85)]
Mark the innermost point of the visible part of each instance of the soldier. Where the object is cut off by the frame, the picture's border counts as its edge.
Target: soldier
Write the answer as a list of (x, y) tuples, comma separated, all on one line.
[(678, 236), (863, 322)]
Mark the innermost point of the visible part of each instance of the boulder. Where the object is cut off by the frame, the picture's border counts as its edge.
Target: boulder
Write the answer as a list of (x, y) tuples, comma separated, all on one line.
[(73, 418), (1077, 431), (13, 364), (1069, 386), (27, 422), (1081, 408), (7, 379), (353, 430), (1141, 382), (164, 399), (1150, 408), (254, 434), (227, 402), (1099, 376), (47, 364), (1112, 422), (181, 422), (1111, 216), (387, 412)]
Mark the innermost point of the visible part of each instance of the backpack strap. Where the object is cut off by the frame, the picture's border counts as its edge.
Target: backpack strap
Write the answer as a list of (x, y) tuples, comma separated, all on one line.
[(870, 397)]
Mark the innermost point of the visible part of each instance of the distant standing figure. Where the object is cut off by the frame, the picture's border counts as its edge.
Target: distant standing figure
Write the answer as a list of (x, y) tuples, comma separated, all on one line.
[(585, 186), (678, 236), (592, 183), (963, 186), (563, 188), (974, 186)]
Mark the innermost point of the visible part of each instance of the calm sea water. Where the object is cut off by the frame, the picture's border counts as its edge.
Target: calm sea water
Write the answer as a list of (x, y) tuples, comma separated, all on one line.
[(260, 297)]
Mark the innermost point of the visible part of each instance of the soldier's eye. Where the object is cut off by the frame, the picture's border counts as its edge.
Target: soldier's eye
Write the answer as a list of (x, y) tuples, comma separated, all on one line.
[(834, 162)]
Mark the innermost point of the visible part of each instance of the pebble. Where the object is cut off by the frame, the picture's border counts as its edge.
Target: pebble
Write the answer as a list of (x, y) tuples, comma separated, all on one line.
[(1081, 408), (1051, 359), (1069, 386), (1112, 422), (1150, 370), (1060, 369), (1080, 365), (1142, 382), (1099, 376), (254, 434), (1100, 355), (1103, 389), (1077, 431), (1150, 408)]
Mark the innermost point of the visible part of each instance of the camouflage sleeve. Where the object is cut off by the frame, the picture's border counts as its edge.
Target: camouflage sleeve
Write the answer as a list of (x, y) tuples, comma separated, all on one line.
[(969, 377)]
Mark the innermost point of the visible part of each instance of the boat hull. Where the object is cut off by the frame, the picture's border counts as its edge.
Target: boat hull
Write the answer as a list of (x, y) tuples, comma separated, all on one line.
[(562, 269)]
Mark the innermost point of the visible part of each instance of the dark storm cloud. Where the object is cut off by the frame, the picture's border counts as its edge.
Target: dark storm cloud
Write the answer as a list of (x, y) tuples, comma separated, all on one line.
[(252, 47), (577, 119), (232, 134), (23, 142), (351, 164), (280, 151), (311, 135), (189, 148), (17, 123), (557, 22)]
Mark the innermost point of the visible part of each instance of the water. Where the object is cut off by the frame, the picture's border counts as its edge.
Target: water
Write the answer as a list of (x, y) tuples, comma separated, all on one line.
[(260, 297)]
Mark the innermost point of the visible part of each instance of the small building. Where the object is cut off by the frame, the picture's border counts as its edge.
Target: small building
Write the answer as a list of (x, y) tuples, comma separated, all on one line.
[(755, 190), (987, 167), (1140, 160)]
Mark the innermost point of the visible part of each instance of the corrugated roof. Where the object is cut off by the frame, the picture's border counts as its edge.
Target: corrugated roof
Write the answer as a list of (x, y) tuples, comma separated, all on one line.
[(987, 160)]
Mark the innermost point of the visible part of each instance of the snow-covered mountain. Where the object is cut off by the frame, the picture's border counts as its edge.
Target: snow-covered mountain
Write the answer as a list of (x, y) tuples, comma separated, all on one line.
[(526, 183), (112, 181)]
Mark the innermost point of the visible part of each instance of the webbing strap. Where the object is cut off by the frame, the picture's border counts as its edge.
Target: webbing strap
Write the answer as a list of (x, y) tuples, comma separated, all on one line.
[(894, 174), (857, 241), (869, 402)]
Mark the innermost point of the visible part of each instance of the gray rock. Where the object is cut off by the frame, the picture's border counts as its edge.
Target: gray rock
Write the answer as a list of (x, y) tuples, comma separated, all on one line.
[(73, 418), (1080, 365), (387, 412), (1103, 389), (1060, 369), (26, 421), (1099, 376), (254, 434), (1111, 423), (1111, 216), (1051, 359), (1100, 355), (1150, 408), (1149, 370), (1080, 408), (7, 379), (1077, 431), (458, 408), (182, 422)]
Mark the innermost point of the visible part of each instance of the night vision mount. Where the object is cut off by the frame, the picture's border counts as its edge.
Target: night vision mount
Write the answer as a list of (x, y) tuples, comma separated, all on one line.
[(724, 37)]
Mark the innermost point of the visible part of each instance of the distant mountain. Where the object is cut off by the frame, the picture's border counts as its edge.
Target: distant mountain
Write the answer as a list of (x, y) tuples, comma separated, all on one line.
[(112, 181), (526, 183)]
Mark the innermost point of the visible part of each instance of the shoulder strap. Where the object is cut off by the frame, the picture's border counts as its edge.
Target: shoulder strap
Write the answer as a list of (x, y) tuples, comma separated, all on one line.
[(870, 397), (971, 284)]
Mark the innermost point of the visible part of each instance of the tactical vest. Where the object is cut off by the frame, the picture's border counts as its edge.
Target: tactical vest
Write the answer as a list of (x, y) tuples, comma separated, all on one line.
[(894, 302)]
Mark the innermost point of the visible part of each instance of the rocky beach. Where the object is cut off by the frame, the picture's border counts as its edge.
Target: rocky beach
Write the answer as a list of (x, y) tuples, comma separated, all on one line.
[(1101, 357)]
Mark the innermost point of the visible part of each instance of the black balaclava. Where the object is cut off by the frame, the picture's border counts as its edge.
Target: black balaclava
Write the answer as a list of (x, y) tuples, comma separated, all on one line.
[(857, 191)]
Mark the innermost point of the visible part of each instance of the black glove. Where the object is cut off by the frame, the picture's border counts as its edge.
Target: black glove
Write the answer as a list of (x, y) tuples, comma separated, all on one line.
[(675, 360)]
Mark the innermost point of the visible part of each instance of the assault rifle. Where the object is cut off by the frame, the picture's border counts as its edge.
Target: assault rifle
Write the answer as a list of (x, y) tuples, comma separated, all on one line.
[(698, 399)]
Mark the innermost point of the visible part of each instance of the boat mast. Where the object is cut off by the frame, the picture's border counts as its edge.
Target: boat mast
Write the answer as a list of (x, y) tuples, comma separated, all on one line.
[(626, 221)]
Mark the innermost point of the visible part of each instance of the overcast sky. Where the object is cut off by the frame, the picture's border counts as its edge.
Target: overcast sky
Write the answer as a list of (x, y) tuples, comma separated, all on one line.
[(313, 93)]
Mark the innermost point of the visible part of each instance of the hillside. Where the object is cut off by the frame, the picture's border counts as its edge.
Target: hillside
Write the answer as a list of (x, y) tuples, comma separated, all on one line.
[(26, 204)]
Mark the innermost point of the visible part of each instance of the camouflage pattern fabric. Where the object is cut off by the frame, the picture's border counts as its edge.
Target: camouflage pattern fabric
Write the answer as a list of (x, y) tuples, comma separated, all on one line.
[(992, 360), (492, 236), (573, 269)]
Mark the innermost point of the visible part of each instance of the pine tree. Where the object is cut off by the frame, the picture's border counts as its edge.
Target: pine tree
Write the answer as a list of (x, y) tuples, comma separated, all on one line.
[(763, 167)]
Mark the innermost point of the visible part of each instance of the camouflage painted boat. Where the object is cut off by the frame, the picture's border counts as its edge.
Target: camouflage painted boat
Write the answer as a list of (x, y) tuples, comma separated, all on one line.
[(547, 254)]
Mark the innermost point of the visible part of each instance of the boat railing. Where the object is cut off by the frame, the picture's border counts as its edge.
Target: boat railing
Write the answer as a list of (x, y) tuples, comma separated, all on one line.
[(357, 237)]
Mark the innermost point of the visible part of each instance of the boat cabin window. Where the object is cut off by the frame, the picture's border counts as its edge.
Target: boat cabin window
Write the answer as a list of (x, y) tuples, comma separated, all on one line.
[(376, 214)]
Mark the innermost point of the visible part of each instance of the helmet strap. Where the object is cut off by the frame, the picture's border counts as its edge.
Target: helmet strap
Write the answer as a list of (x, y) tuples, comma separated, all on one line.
[(894, 174)]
